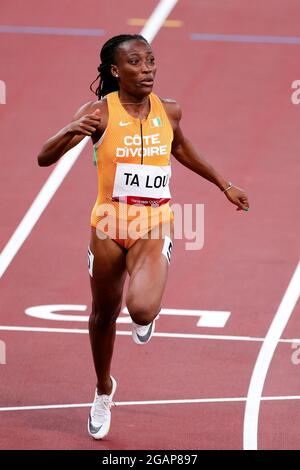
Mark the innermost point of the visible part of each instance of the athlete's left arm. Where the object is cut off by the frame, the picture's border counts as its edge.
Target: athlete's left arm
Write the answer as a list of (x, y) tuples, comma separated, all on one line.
[(185, 153)]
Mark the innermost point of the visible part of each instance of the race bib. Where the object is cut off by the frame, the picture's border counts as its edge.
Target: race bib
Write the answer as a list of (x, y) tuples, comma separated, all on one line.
[(142, 183)]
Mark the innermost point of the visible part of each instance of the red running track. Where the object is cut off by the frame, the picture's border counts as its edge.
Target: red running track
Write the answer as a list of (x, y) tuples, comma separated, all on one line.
[(237, 110)]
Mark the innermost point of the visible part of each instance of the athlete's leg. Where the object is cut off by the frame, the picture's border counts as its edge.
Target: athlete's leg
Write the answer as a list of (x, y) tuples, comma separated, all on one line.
[(148, 269), (107, 282)]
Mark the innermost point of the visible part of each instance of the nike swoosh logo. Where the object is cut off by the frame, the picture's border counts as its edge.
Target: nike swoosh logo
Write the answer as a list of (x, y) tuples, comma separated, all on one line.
[(122, 124), (93, 429)]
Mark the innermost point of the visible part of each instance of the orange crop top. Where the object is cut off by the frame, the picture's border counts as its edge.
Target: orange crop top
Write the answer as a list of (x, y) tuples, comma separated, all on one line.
[(133, 160)]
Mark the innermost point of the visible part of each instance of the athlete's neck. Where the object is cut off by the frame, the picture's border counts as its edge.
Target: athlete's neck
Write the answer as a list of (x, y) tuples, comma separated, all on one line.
[(125, 98), (138, 107)]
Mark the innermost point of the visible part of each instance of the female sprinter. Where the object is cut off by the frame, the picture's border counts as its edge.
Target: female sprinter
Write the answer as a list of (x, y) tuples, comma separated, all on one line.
[(133, 133)]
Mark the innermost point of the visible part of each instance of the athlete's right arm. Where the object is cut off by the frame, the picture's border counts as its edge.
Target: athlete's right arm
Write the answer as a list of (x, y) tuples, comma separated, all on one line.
[(85, 123)]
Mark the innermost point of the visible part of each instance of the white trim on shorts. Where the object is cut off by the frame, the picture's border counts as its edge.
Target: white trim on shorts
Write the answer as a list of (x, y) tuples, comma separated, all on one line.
[(90, 258), (167, 248)]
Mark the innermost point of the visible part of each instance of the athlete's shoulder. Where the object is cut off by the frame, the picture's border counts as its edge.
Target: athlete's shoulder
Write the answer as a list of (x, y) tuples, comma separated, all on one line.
[(172, 108), (90, 107), (167, 100)]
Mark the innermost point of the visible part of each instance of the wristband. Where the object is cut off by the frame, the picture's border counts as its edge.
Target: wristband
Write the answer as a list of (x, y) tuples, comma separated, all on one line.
[(230, 186)]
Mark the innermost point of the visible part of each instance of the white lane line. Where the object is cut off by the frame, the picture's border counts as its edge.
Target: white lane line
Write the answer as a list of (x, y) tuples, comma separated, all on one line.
[(158, 17), (39, 205), (38, 329), (148, 402), (65, 164), (264, 359)]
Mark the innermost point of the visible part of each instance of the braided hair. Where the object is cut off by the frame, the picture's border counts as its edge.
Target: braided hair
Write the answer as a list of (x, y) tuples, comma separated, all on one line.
[(108, 82)]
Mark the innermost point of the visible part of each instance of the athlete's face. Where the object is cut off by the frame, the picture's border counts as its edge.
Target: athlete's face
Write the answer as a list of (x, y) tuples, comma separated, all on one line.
[(135, 67)]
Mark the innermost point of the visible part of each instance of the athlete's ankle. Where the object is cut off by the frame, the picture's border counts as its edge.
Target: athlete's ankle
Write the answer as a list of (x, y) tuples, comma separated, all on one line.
[(104, 387), (142, 323)]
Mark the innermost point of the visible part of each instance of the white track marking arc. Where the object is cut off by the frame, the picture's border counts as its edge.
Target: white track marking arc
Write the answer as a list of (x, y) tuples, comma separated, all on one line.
[(264, 359), (147, 402), (64, 165)]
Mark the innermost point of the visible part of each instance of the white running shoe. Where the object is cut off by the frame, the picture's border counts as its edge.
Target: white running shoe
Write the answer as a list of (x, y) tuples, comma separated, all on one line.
[(100, 415), (141, 334)]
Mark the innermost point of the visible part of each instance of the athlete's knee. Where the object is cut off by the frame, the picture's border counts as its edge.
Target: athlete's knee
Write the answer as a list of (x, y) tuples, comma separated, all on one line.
[(141, 311), (105, 315)]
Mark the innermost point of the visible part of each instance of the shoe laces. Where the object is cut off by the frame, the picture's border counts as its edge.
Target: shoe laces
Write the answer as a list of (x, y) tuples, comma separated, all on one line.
[(101, 408), (142, 330)]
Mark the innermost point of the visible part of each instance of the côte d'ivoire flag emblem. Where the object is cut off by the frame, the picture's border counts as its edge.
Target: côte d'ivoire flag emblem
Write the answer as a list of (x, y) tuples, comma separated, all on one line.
[(156, 122)]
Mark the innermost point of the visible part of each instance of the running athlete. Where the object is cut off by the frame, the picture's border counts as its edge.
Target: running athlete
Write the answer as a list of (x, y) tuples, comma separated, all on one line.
[(133, 132)]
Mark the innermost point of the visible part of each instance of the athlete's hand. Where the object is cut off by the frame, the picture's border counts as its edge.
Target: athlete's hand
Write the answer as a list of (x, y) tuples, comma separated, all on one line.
[(86, 125), (238, 197)]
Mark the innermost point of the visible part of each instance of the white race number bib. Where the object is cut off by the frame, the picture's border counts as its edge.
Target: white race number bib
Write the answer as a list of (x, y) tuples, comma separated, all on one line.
[(145, 181)]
